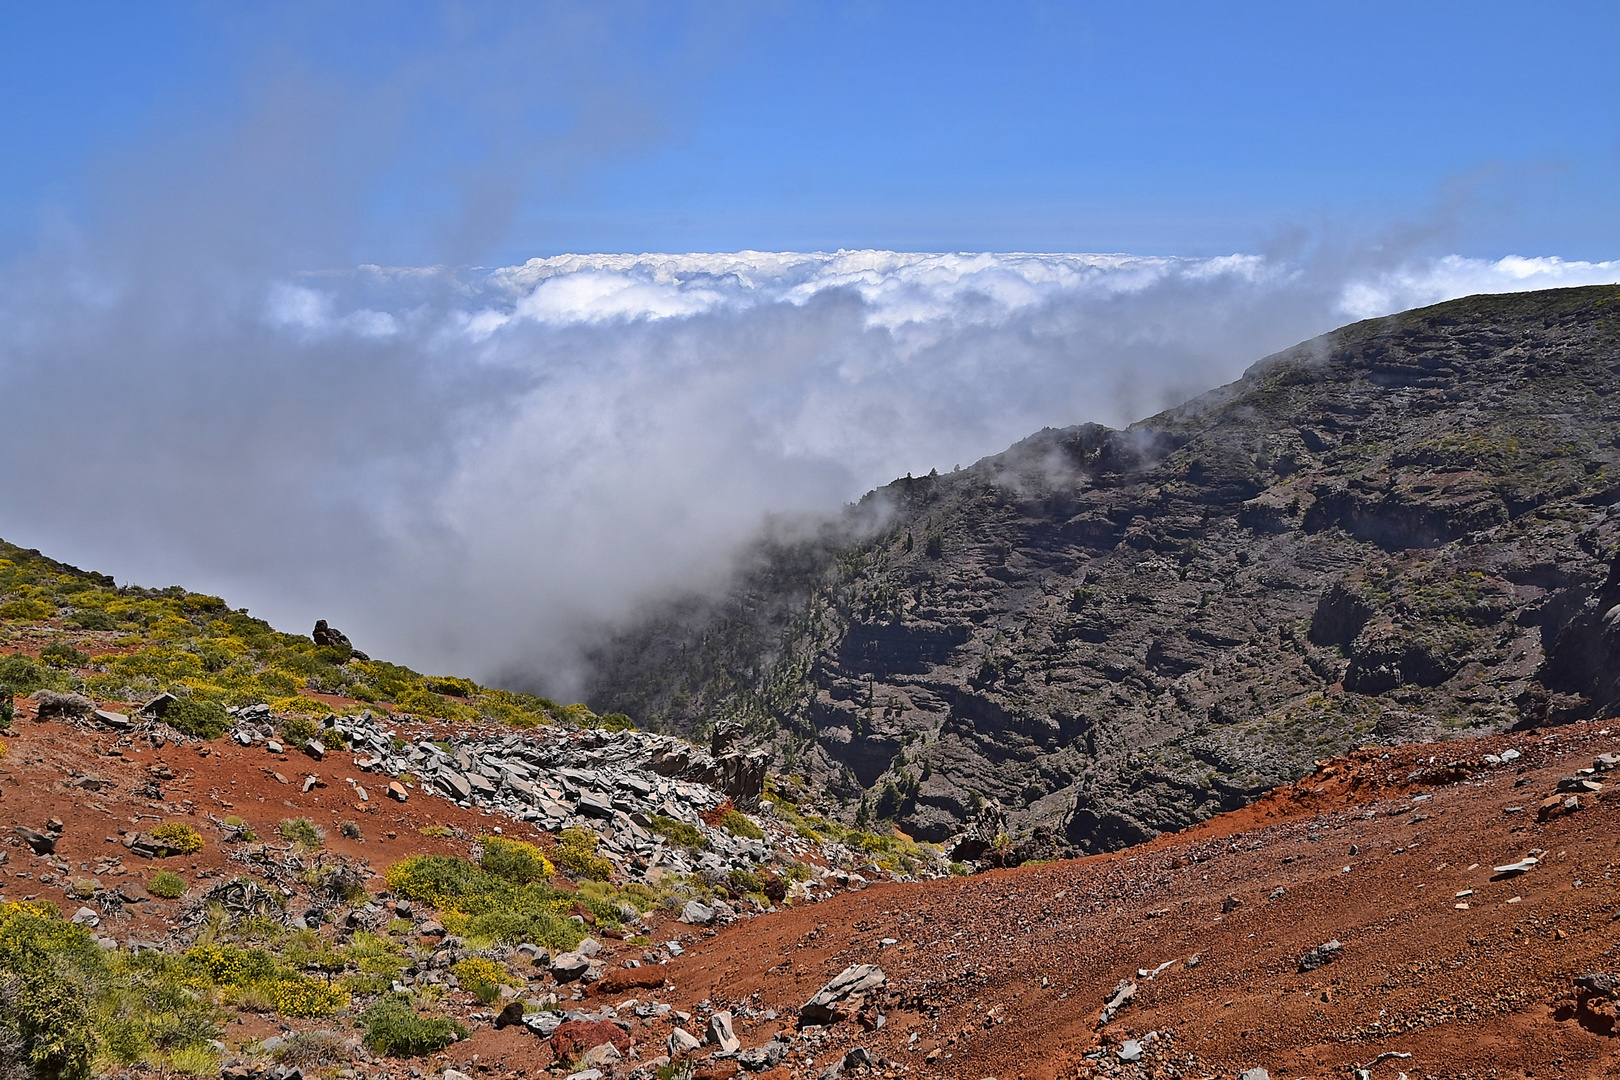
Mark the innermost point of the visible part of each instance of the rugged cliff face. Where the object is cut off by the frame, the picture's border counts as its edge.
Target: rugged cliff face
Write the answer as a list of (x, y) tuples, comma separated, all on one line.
[(1397, 531)]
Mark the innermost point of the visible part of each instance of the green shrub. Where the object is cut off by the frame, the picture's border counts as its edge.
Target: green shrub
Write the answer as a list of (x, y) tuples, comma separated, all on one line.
[(745, 881), (199, 719), (492, 907), (576, 853), (91, 619), (61, 654), (21, 674), (514, 860), (679, 831), (298, 730), (333, 739), (309, 997), (737, 823), (8, 710), (482, 977), (54, 973), (393, 1028), (29, 610), (542, 927), (166, 884), (179, 836), (301, 831), (436, 879)]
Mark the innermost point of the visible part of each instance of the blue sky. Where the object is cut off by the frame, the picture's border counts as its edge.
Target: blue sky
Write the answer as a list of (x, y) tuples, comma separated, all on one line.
[(414, 133)]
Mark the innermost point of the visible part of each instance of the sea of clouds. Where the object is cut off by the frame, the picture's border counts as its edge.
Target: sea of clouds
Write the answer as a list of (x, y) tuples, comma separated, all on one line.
[(477, 470)]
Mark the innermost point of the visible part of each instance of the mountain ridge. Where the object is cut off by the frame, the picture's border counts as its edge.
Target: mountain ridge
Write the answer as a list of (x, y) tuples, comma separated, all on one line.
[(1377, 535)]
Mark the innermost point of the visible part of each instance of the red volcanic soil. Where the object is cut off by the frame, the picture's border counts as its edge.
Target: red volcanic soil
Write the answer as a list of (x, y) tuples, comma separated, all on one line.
[(1004, 974)]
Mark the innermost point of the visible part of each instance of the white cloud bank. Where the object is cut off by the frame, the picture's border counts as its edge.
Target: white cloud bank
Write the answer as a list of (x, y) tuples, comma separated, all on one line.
[(473, 470)]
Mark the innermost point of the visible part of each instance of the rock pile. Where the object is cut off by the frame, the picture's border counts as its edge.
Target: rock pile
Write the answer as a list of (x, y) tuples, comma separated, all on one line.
[(620, 785)]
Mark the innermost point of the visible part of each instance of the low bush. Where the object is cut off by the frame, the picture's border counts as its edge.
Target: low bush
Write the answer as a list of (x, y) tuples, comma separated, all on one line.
[(679, 831), (478, 904), (333, 739), (309, 997), (482, 977), (179, 836), (27, 610), (199, 719), (53, 972), (514, 860), (91, 619), (61, 654), (298, 730), (306, 1048), (393, 1028), (21, 674), (576, 854), (166, 884), (301, 831), (745, 881), (737, 823)]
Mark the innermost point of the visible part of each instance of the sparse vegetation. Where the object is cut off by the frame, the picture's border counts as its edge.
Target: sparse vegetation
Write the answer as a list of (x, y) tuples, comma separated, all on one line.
[(576, 854), (179, 836), (393, 1027), (738, 823), (166, 884), (301, 831)]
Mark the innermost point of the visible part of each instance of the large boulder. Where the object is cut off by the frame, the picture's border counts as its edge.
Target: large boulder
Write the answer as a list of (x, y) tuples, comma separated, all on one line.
[(845, 996)]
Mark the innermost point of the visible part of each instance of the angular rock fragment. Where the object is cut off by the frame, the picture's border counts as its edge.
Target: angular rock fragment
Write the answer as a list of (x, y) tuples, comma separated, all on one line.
[(1124, 991), (1324, 953), (681, 1043), (845, 995), (697, 913), (721, 1035)]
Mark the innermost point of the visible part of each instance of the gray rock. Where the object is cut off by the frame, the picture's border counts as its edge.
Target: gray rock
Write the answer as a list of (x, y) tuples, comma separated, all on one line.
[(111, 719), (1124, 991), (543, 1024), (570, 966), (845, 995), (697, 913), (1324, 953), (1606, 762), (41, 843), (455, 1074), (50, 703), (605, 1054), (681, 1043), (456, 786), (769, 1056), (1130, 1050), (86, 917), (511, 1014), (1524, 865), (589, 947), (1254, 1074), (721, 1035)]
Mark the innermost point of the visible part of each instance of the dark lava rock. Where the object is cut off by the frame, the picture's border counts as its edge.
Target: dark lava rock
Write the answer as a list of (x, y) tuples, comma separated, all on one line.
[(1117, 633)]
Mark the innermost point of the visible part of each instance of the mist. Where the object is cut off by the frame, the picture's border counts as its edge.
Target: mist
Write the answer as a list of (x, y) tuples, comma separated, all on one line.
[(477, 469)]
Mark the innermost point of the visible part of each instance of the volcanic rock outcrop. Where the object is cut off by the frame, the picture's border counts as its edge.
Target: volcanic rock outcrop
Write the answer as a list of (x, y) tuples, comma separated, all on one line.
[(1400, 530)]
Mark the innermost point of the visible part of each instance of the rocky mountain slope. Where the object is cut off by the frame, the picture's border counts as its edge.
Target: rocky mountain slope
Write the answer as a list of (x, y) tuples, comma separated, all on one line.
[(1402, 530)]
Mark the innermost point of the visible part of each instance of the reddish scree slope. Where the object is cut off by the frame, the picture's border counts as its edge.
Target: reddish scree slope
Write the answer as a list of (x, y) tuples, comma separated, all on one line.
[(1003, 974), (1006, 972)]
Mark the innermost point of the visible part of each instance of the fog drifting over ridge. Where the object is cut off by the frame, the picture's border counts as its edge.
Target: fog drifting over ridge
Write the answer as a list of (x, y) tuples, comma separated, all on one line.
[(475, 470)]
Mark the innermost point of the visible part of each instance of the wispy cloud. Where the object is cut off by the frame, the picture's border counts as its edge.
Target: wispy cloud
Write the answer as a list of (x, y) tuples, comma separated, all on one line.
[(474, 469)]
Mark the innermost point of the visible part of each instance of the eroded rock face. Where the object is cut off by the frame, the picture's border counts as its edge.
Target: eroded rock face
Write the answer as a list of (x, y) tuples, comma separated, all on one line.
[(1380, 534)]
